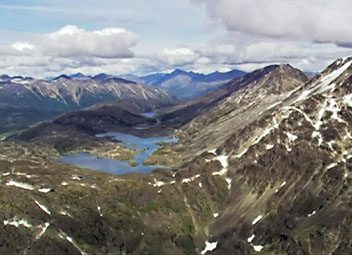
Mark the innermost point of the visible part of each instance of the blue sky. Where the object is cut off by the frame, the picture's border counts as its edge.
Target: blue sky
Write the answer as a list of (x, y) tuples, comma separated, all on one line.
[(156, 21), (49, 37)]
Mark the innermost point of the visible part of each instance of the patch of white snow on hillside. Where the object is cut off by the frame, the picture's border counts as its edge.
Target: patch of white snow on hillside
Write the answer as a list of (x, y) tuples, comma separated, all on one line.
[(191, 179), (273, 105), (318, 135), (28, 176), (312, 213), (251, 238), (332, 165), (347, 100), (42, 230), (229, 183), (258, 248), (256, 220), (76, 177), (158, 183), (269, 146), (43, 207), (209, 246), (63, 235), (283, 184), (334, 109), (291, 136), (99, 210), (213, 151), (45, 190), (324, 83), (224, 161), (20, 185), (17, 223)]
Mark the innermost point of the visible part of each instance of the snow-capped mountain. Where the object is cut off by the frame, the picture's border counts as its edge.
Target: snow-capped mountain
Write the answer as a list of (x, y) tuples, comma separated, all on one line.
[(282, 164), (265, 169), (272, 81), (19, 96)]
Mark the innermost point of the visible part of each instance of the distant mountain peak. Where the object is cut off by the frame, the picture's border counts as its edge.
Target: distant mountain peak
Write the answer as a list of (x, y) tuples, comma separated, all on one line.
[(102, 76), (188, 85), (179, 72), (62, 77), (78, 75)]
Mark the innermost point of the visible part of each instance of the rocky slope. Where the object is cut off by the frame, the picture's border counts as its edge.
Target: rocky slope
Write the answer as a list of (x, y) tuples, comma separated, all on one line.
[(287, 166), (25, 101), (78, 130), (276, 180), (272, 80)]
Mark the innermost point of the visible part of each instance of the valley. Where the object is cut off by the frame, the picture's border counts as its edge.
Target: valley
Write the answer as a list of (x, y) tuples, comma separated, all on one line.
[(261, 165)]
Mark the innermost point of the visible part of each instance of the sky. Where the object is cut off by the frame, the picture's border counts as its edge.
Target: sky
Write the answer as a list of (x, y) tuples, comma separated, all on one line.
[(46, 38)]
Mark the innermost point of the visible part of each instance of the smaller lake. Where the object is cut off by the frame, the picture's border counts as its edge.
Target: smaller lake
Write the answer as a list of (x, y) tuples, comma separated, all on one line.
[(148, 114), (144, 146)]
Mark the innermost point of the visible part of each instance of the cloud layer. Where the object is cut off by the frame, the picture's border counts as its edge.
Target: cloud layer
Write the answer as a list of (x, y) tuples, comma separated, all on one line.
[(235, 34), (314, 20), (71, 41)]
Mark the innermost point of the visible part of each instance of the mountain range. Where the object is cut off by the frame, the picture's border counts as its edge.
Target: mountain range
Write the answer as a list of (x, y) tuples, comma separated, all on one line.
[(187, 85), (262, 166), (26, 101)]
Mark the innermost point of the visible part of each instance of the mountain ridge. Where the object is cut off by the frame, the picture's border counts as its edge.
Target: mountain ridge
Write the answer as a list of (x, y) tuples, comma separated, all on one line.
[(266, 169), (64, 94)]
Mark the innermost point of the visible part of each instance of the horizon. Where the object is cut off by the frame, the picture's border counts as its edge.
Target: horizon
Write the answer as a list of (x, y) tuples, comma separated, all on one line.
[(168, 72), (41, 38)]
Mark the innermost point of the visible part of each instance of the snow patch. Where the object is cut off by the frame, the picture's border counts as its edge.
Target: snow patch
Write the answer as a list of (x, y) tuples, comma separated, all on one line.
[(99, 210), (76, 177), (291, 136), (318, 135), (258, 248), (45, 190), (256, 220), (347, 100), (191, 179), (229, 183), (224, 161), (42, 229), (17, 223), (269, 146), (209, 246), (20, 185), (251, 238), (213, 151), (325, 83), (158, 183), (63, 235), (43, 208), (312, 213)]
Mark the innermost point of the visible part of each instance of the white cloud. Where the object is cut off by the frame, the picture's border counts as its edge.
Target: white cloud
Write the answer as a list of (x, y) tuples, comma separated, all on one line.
[(72, 41), (314, 20), (21, 46), (178, 56)]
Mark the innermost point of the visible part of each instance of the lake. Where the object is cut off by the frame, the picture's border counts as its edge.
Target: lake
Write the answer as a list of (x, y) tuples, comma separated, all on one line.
[(144, 146), (148, 114)]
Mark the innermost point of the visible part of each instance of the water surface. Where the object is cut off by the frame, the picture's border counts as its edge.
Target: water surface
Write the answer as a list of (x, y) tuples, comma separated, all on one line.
[(144, 146)]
